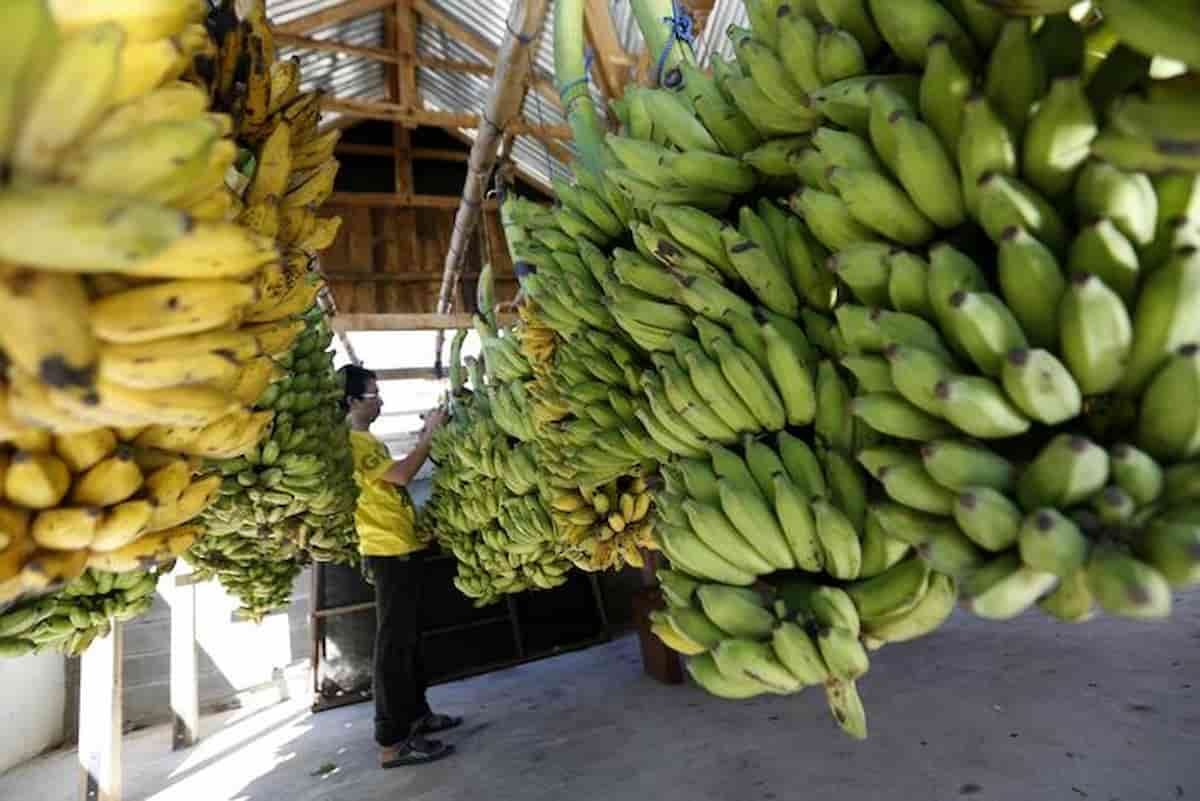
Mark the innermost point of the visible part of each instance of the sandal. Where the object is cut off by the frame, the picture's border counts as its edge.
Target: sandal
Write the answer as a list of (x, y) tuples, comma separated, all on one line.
[(435, 723), (415, 751)]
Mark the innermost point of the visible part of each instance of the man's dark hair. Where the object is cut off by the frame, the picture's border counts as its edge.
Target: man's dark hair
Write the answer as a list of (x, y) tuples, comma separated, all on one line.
[(356, 379)]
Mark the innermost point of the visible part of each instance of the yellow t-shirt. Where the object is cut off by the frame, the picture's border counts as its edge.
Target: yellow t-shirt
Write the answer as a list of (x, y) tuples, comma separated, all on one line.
[(385, 517)]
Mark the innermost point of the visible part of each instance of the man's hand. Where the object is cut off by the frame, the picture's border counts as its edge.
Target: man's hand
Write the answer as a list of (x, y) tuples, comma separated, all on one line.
[(434, 420)]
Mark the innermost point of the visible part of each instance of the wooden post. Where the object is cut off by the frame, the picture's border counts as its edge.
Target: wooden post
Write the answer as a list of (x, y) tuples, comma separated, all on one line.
[(503, 104), (100, 718), (185, 681)]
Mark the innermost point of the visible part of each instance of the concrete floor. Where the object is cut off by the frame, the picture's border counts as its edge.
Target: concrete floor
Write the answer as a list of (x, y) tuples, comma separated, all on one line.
[(1023, 711)]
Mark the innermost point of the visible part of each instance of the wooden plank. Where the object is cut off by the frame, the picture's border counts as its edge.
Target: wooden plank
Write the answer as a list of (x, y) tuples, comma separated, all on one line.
[(405, 43), (101, 688), (407, 374), (611, 59), (382, 110), (185, 686), (331, 15), (409, 322), (393, 200), (333, 46), (418, 153), (399, 278)]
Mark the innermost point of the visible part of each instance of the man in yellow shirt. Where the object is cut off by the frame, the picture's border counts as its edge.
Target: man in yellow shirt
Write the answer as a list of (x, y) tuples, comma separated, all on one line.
[(394, 555)]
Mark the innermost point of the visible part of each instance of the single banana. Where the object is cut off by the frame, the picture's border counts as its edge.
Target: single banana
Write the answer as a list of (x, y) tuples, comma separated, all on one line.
[(1068, 470), (1096, 334)]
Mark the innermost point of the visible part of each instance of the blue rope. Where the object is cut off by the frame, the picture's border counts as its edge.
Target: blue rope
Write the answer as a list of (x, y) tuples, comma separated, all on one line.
[(588, 57), (681, 31)]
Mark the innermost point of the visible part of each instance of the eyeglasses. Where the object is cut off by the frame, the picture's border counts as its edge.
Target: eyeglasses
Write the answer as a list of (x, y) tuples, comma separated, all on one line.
[(368, 396)]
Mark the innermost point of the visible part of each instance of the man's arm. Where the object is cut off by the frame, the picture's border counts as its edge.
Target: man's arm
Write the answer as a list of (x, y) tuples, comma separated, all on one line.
[(404, 470)]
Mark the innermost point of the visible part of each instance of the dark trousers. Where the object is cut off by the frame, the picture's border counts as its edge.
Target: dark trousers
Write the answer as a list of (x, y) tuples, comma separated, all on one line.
[(399, 669)]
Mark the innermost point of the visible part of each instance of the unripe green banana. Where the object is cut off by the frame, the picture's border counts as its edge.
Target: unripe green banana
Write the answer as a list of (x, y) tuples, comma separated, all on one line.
[(1128, 198), (1173, 548), (833, 422), (1071, 601), (988, 517), (703, 670), (1066, 471), (769, 73), (908, 284), (985, 329), (855, 17), (1137, 473), (1166, 318), (1053, 543), (1114, 506), (1041, 386), (1101, 248), (1059, 137), (732, 467), (1096, 334), (1016, 74), (752, 384), (711, 171), (908, 26), (1032, 283), (948, 550), (848, 102), (980, 408), (983, 20), (908, 483), (927, 172), (879, 550), (846, 707), (1063, 45), (873, 373), (960, 465), (839, 541), (930, 611), (737, 610), (985, 145), (748, 336), (945, 86), (710, 298), (950, 271), (916, 373), (858, 328), (843, 653), (684, 398), (764, 464), (716, 531), (812, 168), (863, 267), (694, 624), (671, 114), (797, 523), (805, 258), (678, 588), (728, 126), (829, 219), (1165, 27), (878, 203), (990, 574), (893, 592), (774, 158), (800, 55), (883, 103), (797, 652), (1169, 420), (792, 377), (755, 660), (753, 517), (1005, 202), (1011, 595), (685, 550), (892, 414), (802, 466), (1126, 586), (839, 54)]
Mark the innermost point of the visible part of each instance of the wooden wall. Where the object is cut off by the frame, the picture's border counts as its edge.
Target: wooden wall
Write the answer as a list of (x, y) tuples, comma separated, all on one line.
[(388, 259), (400, 254)]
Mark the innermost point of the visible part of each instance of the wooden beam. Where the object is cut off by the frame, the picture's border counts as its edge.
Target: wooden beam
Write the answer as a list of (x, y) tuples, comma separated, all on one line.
[(101, 688), (503, 104), (184, 681), (381, 110), (448, 65), (407, 374), (479, 44), (418, 153), (405, 43), (409, 322), (612, 62), (332, 46), (522, 173), (397, 201), (411, 277), (331, 15)]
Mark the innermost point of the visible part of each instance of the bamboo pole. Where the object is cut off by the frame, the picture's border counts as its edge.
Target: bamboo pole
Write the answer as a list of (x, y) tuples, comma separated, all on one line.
[(524, 26)]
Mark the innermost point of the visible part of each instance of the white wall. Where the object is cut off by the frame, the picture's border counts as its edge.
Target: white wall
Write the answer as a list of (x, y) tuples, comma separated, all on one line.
[(32, 695)]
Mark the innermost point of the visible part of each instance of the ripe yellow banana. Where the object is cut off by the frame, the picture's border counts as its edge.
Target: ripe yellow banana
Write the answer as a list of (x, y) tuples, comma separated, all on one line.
[(276, 338), (36, 480), (122, 524), (147, 551), (314, 187), (111, 481), (45, 330), (191, 502), (84, 449), (169, 309), (141, 21), (66, 528), (274, 166), (166, 484)]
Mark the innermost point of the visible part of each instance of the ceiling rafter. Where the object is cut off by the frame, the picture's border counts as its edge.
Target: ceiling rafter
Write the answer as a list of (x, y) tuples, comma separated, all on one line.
[(332, 15)]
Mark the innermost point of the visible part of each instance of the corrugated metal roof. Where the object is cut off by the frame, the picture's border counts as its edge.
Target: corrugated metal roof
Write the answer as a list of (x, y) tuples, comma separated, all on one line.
[(351, 76)]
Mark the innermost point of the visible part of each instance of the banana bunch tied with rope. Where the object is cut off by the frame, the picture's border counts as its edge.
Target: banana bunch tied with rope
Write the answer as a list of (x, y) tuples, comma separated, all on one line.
[(276, 125), (607, 527), (82, 611)]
